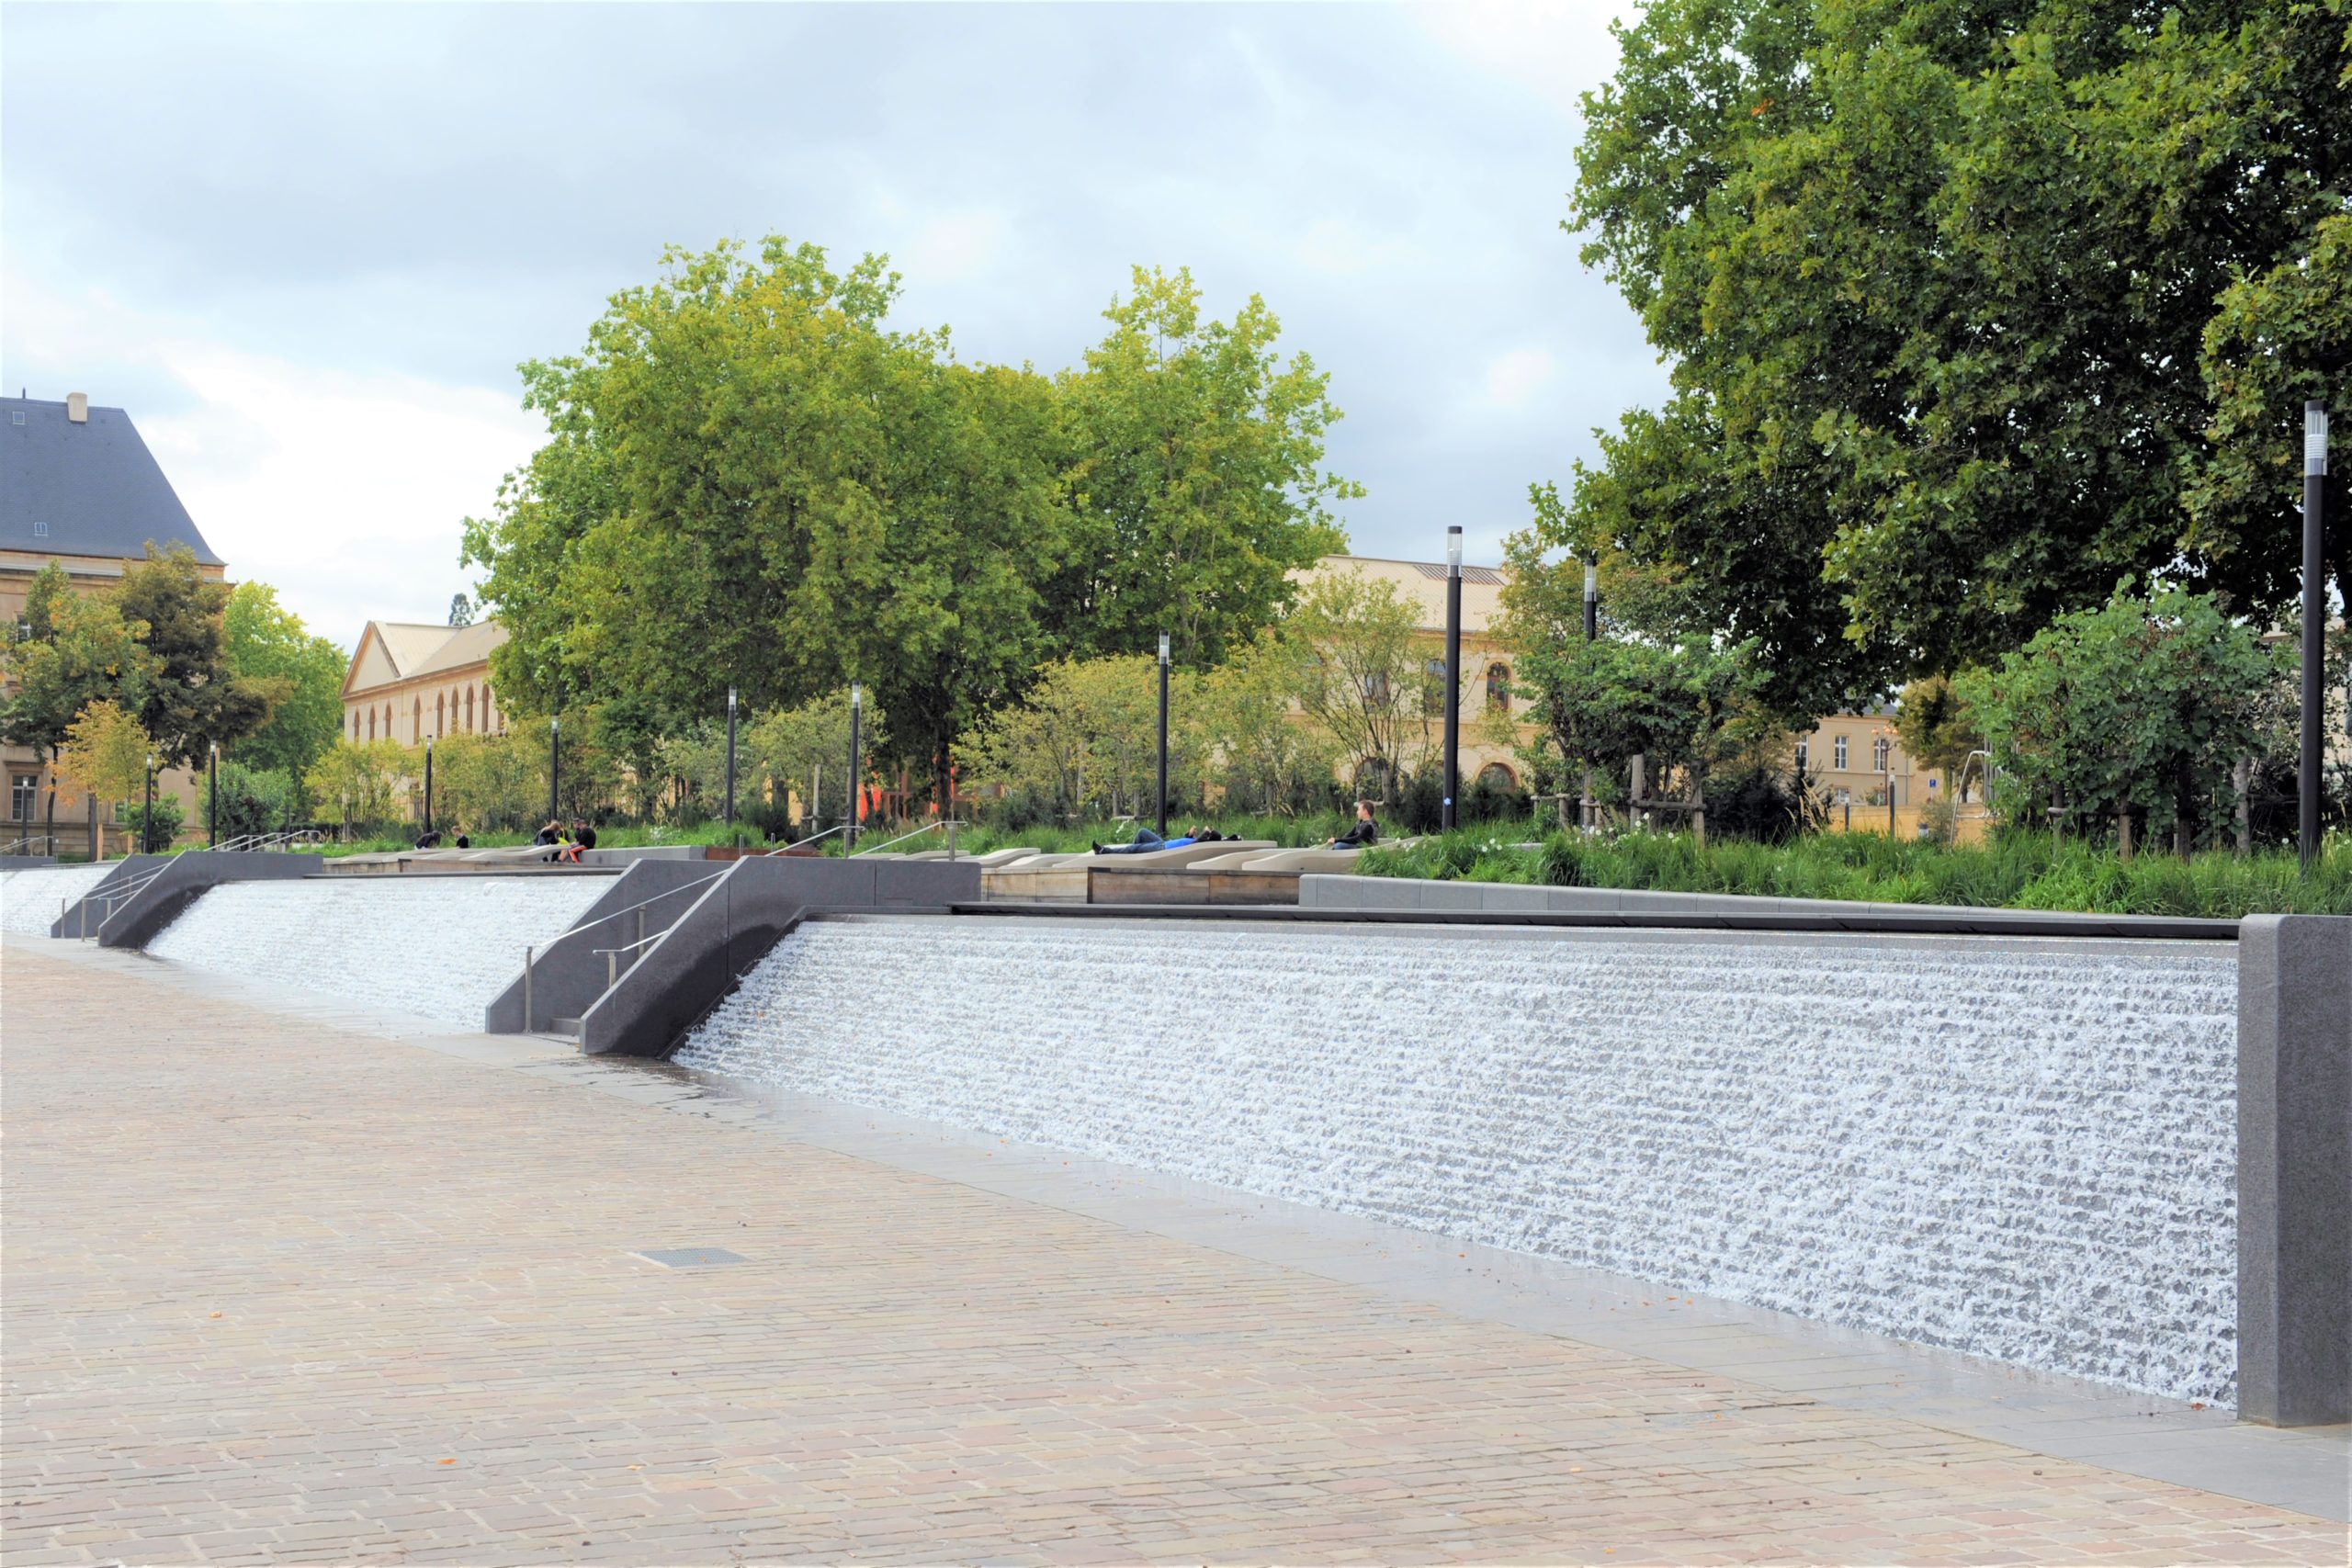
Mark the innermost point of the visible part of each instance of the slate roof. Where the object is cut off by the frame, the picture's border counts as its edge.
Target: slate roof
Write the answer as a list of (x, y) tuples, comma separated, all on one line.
[(97, 486), (415, 649)]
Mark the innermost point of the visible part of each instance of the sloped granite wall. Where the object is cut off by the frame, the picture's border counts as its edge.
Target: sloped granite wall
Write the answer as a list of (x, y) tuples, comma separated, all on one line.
[(2022, 1153)]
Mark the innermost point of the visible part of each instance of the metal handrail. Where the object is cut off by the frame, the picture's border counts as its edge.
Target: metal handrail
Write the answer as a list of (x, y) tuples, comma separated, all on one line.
[(20, 846), (950, 823), (666, 893), (115, 900), (814, 837)]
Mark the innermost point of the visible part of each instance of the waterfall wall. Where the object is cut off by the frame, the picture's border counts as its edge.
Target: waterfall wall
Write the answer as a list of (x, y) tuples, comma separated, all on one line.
[(437, 947), (28, 897), (2020, 1150)]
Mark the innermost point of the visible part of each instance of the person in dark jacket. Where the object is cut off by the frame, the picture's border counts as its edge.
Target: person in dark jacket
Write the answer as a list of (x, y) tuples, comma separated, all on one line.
[(583, 835), (1365, 831), (1146, 841)]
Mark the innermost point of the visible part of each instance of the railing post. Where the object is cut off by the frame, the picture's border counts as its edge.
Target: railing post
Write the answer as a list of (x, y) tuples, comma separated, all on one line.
[(526, 990), (612, 967)]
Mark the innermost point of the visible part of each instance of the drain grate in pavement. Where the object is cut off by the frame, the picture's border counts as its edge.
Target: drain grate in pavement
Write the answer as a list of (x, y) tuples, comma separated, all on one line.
[(690, 1257)]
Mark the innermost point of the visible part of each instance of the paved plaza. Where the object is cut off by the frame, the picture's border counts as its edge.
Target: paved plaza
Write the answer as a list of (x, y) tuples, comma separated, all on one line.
[(279, 1288)]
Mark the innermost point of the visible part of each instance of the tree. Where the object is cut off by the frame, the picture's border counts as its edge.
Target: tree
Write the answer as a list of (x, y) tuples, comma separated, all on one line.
[(1251, 746), (794, 748), (194, 698), (461, 609), (1933, 280), (489, 783), (106, 751), (1086, 742), (360, 780), (81, 651), (1356, 671), (2143, 707), (1194, 479), (265, 644), (1936, 727)]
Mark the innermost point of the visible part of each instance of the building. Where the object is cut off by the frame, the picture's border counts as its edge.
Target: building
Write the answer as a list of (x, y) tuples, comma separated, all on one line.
[(1486, 662), (409, 682), (79, 487)]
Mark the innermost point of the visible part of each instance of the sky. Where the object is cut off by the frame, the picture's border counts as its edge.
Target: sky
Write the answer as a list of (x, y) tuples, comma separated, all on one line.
[(307, 246)]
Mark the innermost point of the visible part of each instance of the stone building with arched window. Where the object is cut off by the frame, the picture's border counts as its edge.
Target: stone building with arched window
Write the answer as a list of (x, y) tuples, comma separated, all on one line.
[(409, 682)]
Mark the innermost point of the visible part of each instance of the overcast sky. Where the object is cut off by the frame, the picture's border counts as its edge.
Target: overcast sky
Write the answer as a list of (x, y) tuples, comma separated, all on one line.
[(306, 246)]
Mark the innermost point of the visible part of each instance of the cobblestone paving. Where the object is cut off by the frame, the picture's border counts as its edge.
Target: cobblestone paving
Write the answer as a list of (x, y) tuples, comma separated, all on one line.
[(275, 1292)]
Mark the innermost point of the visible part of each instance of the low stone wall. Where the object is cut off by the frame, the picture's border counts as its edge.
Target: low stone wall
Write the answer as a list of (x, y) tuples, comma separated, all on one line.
[(2025, 1150)]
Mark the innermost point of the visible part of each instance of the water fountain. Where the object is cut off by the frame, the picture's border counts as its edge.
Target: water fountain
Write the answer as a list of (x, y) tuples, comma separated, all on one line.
[(2020, 1150), (435, 947), (29, 896)]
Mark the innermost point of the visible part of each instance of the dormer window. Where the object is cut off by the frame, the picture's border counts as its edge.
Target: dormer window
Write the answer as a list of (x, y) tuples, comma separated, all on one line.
[(40, 530)]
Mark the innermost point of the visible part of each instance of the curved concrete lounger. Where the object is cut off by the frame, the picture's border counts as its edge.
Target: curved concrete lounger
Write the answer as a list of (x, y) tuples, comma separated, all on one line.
[(1161, 860), (992, 858)]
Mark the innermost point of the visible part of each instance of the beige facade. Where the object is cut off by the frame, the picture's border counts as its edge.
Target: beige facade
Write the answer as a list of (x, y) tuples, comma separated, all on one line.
[(1486, 695), (408, 683)]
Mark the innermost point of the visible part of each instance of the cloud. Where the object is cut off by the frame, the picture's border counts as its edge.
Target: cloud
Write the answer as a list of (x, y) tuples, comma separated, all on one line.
[(955, 246), (1552, 50), (1513, 379), (346, 491)]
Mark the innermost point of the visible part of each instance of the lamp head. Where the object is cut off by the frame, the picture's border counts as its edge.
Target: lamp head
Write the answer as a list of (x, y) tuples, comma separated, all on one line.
[(856, 694), (730, 699), (2315, 437), (1591, 580), (1453, 545), (1163, 648)]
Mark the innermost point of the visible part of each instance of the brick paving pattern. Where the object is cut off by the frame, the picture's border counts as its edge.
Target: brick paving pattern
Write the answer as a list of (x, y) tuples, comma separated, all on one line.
[(277, 1292)]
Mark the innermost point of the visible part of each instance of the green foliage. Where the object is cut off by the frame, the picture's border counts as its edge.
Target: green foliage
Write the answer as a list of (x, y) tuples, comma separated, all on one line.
[(251, 800), (194, 699), (156, 830), (489, 784), (106, 752), (1936, 725), (1933, 281), (1358, 664), (262, 642), (1194, 485), (750, 482), (81, 650), (2020, 870), (1086, 742), (359, 783), (1249, 750), (2144, 706), (796, 748)]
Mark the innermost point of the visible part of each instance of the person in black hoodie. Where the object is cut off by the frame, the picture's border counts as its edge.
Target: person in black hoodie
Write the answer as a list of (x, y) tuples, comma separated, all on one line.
[(1365, 831)]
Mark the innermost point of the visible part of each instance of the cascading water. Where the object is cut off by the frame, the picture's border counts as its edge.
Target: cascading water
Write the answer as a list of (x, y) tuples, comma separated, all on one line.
[(28, 897), (439, 947), (2023, 1152)]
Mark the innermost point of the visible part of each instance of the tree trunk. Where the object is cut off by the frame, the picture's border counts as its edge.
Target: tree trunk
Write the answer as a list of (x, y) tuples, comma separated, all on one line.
[(2124, 832), (2184, 810), (945, 780), (2244, 778)]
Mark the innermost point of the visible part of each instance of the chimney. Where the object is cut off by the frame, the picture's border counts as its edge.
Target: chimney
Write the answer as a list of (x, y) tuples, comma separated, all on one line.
[(77, 407)]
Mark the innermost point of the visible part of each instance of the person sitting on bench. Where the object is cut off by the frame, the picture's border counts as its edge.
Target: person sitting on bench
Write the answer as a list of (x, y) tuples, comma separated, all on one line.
[(1365, 831), (1146, 841)]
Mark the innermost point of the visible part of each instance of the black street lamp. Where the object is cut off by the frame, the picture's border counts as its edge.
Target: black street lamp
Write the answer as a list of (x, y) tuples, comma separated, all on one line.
[(2315, 628), (1591, 635), (1163, 735), (849, 832), (213, 799), (428, 788), (555, 764), (730, 767), (1453, 673), (147, 819)]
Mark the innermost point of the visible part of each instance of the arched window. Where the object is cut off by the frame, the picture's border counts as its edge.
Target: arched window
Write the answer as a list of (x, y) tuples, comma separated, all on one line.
[(1375, 688), (371, 721), (469, 710), (1498, 687), (416, 719), (440, 714), (1880, 751), (1497, 776), (1434, 687)]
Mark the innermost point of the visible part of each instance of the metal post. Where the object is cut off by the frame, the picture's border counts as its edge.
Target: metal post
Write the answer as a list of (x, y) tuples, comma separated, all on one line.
[(1163, 735), (1591, 635), (526, 990), (555, 764), (97, 848), (1890, 833), (147, 822), (1452, 776), (212, 801), (428, 788), (2315, 628), (730, 767), (849, 828)]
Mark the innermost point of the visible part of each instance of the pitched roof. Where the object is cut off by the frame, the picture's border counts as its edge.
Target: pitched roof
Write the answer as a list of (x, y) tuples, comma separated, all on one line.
[(85, 489), (1423, 584), (415, 648)]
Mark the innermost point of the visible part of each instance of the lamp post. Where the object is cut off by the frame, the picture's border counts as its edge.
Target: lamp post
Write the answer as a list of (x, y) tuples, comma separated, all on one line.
[(1591, 635), (2315, 628), (147, 817), (428, 788), (1453, 673), (212, 798), (730, 767), (1163, 735), (555, 764), (849, 832)]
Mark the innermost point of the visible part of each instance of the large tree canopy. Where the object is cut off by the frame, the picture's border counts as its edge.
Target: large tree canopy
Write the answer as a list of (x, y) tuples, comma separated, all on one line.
[(750, 482), (1972, 306)]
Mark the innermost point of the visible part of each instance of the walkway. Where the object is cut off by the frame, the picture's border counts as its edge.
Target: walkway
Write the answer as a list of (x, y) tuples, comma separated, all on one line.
[(277, 1290)]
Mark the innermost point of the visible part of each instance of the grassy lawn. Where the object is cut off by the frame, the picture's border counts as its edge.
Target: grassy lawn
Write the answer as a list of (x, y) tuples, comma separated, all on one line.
[(2016, 870)]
